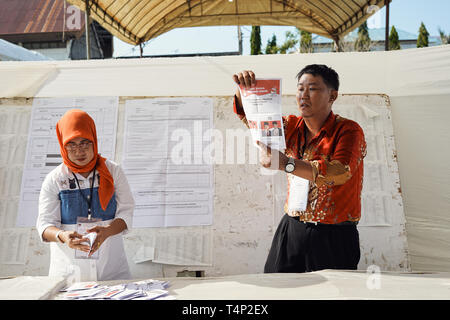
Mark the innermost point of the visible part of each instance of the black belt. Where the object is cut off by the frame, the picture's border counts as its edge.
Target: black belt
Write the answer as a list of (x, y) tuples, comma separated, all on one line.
[(344, 223)]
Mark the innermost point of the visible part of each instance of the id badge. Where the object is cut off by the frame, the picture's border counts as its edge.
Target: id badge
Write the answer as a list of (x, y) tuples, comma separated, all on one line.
[(298, 193), (84, 224)]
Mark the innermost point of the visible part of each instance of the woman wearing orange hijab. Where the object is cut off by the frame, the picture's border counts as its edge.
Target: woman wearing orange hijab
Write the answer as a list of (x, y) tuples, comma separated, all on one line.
[(89, 186)]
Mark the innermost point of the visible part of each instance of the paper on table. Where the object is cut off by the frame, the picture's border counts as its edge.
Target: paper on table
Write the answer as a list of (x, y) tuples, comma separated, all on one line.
[(141, 290), (83, 294), (147, 285), (155, 294), (81, 286)]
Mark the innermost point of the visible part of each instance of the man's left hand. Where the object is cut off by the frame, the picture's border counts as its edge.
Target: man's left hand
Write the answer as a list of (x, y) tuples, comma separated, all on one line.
[(271, 159)]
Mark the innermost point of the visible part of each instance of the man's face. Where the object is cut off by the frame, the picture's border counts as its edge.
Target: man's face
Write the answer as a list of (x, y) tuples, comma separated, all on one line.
[(313, 96)]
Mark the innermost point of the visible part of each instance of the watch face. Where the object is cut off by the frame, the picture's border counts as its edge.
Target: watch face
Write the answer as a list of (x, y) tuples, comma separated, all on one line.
[(289, 167)]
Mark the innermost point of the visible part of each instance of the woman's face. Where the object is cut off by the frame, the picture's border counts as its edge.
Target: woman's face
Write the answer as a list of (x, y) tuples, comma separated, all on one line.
[(80, 151)]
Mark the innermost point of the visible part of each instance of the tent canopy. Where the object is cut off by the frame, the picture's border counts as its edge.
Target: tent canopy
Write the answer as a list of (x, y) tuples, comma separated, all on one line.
[(137, 21)]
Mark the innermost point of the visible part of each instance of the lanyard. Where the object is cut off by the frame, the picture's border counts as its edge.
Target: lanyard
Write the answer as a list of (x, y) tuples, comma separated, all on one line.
[(89, 198)]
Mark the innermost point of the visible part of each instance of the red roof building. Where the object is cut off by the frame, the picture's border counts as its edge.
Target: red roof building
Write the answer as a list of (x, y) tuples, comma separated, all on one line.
[(54, 28)]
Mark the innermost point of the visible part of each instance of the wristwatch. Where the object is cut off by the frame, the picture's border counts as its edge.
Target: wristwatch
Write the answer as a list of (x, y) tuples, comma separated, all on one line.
[(290, 165)]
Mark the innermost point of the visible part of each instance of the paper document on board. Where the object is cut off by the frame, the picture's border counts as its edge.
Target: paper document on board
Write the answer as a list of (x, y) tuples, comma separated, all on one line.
[(165, 161), (262, 106)]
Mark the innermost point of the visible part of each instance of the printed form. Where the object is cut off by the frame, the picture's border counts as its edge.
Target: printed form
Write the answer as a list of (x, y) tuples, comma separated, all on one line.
[(43, 154), (163, 157), (262, 106)]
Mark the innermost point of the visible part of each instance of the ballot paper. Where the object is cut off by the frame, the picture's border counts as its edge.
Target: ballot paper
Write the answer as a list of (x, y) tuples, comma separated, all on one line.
[(155, 294), (262, 106), (91, 236), (83, 294), (83, 225), (147, 285), (298, 193), (141, 290), (81, 286)]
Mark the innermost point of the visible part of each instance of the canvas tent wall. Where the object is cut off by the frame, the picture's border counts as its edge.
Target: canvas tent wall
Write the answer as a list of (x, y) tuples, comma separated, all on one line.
[(416, 81)]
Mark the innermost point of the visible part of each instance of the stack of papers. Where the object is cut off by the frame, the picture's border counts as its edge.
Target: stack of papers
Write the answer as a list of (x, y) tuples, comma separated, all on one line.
[(147, 285), (141, 290)]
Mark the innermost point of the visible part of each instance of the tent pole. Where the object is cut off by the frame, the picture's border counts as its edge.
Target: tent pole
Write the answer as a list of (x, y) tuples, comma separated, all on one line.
[(386, 40), (88, 40), (239, 39), (337, 44)]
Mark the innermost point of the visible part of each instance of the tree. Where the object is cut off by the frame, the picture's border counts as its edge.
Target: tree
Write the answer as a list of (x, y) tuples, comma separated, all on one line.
[(305, 42), (422, 40), (271, 47), (363, 41), (394, 42), (445, 39), (289, 43), (255, 40)]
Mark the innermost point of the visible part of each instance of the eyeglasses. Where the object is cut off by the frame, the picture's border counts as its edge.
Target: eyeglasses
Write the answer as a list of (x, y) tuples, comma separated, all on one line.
[(83, 145)]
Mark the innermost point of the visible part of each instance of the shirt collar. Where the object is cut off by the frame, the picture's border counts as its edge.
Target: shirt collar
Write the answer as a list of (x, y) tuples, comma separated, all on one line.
[(327, 126)]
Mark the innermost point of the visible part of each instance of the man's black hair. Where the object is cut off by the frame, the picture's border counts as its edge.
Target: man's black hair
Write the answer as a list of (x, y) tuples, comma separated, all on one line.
[(329, 76)]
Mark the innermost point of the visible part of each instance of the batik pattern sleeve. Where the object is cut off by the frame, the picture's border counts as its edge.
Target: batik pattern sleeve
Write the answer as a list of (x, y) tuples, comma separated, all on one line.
[(337, 168)]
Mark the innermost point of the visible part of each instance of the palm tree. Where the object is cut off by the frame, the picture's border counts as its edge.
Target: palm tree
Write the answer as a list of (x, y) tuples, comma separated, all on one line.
[(289, 43), (305, 42)]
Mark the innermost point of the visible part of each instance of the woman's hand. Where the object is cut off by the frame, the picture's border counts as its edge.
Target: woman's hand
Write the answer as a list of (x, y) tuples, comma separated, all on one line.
[(102, 234), (74, 240)]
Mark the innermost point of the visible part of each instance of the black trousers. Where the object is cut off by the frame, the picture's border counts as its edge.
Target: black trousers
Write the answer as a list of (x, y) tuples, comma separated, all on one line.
[(300, 247)]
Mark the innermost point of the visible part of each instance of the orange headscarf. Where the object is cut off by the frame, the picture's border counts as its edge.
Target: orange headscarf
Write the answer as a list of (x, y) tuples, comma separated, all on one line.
[(76, 123)]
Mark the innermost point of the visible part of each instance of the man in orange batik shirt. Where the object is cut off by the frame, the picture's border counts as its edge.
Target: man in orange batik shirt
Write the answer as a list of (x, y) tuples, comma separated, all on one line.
[(325, 153)]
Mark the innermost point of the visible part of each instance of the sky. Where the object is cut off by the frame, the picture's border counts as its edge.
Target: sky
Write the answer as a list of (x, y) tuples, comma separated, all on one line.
[(404, 14)]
